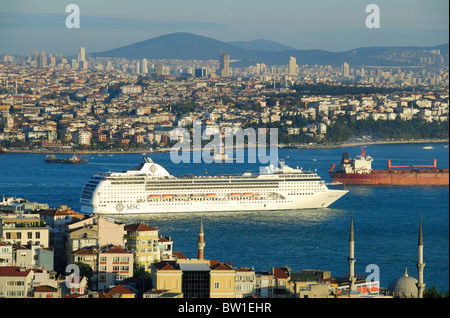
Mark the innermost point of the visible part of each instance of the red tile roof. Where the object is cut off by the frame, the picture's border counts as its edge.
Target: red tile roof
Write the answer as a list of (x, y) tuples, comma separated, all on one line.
[(136, 227), (13, 271), (165, 266), (279, 272), (45, 289), (218, 266), (120, 289), (114, 249)]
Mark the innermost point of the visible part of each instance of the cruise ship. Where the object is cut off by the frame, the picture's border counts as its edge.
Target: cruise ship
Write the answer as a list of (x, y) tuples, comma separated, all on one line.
[(150, 188)]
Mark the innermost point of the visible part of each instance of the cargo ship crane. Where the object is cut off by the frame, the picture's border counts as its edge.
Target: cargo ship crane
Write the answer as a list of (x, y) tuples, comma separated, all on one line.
[(84, 149)]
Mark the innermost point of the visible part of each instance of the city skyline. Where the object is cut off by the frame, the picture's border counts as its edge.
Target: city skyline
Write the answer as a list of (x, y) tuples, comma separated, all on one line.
[(40, 25)]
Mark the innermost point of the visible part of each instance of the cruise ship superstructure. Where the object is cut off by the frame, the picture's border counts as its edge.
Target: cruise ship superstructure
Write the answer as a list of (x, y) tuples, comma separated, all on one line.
[(150, 188)]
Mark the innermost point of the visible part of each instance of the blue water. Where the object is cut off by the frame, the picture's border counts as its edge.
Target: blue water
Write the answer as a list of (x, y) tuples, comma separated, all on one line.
[(386, 219)]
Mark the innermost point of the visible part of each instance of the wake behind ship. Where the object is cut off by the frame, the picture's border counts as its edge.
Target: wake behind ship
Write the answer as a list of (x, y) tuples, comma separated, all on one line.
[(150, 188)]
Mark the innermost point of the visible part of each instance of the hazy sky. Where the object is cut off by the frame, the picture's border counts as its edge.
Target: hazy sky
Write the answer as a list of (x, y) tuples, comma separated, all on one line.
[(334, 25)]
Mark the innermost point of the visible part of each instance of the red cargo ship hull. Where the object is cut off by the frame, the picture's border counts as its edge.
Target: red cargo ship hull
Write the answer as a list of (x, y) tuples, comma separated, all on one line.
[(394, 177), (359, 171)]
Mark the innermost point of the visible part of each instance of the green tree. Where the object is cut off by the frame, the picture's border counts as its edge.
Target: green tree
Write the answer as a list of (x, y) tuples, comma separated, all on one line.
[(86, 271), (434, 293)]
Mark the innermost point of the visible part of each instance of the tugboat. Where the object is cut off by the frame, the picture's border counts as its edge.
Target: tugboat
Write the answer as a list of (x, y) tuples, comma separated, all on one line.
[(359, 171)]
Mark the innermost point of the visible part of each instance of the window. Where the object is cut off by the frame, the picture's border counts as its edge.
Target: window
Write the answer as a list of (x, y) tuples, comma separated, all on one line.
[(216, 285)]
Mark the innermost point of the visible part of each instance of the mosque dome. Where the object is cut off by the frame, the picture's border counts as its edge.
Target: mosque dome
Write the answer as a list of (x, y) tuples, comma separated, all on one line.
[(403, 287)]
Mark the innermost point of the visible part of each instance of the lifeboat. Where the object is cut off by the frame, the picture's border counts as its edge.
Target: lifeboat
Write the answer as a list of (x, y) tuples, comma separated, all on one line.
[(167, 195), (248, 194), (235, 194), (152, 196), (211, 195)]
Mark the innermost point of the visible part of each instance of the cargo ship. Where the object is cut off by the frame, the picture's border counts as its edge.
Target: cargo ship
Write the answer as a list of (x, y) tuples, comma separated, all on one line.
[(359, 171), (73, 160)]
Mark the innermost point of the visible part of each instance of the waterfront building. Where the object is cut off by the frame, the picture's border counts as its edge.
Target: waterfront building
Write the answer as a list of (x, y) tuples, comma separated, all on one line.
[(24, 230), (245, 282), (222, 280), (165, 275), (19, 205), (312, 284), (147, 246)]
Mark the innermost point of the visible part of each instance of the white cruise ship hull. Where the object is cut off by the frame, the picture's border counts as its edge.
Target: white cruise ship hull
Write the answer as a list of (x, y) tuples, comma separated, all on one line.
[(316, 201), (139, 192)]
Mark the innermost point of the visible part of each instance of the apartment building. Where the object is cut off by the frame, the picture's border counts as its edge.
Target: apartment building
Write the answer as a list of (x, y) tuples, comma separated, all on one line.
[(15, 282), (57, 220), (114, 264), (146, 245), (194, 278), (24, 230), (6, 254)]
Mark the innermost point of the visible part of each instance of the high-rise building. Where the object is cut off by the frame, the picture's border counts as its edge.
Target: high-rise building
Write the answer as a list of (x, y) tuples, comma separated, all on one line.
[(346, 70), (138, 67), (224, 65), (159, 69), (292, 66), (42, 60), (200, 72), (82, 63), (144, 67), (82, 55)]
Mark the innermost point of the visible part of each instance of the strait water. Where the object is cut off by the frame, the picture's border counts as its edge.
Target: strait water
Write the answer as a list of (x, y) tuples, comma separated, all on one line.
[(386, 219)]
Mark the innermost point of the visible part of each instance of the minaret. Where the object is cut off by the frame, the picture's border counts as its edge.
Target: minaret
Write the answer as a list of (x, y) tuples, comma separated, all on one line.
[(351, 258), (420, 264), (201, 242)]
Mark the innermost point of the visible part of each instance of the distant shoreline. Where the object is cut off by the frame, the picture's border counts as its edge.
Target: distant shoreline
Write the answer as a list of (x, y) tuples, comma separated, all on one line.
[(314, 146)]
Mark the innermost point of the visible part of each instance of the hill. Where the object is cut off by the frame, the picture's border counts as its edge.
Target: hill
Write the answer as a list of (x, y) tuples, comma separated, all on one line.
[(261, 44), (188, 46)]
